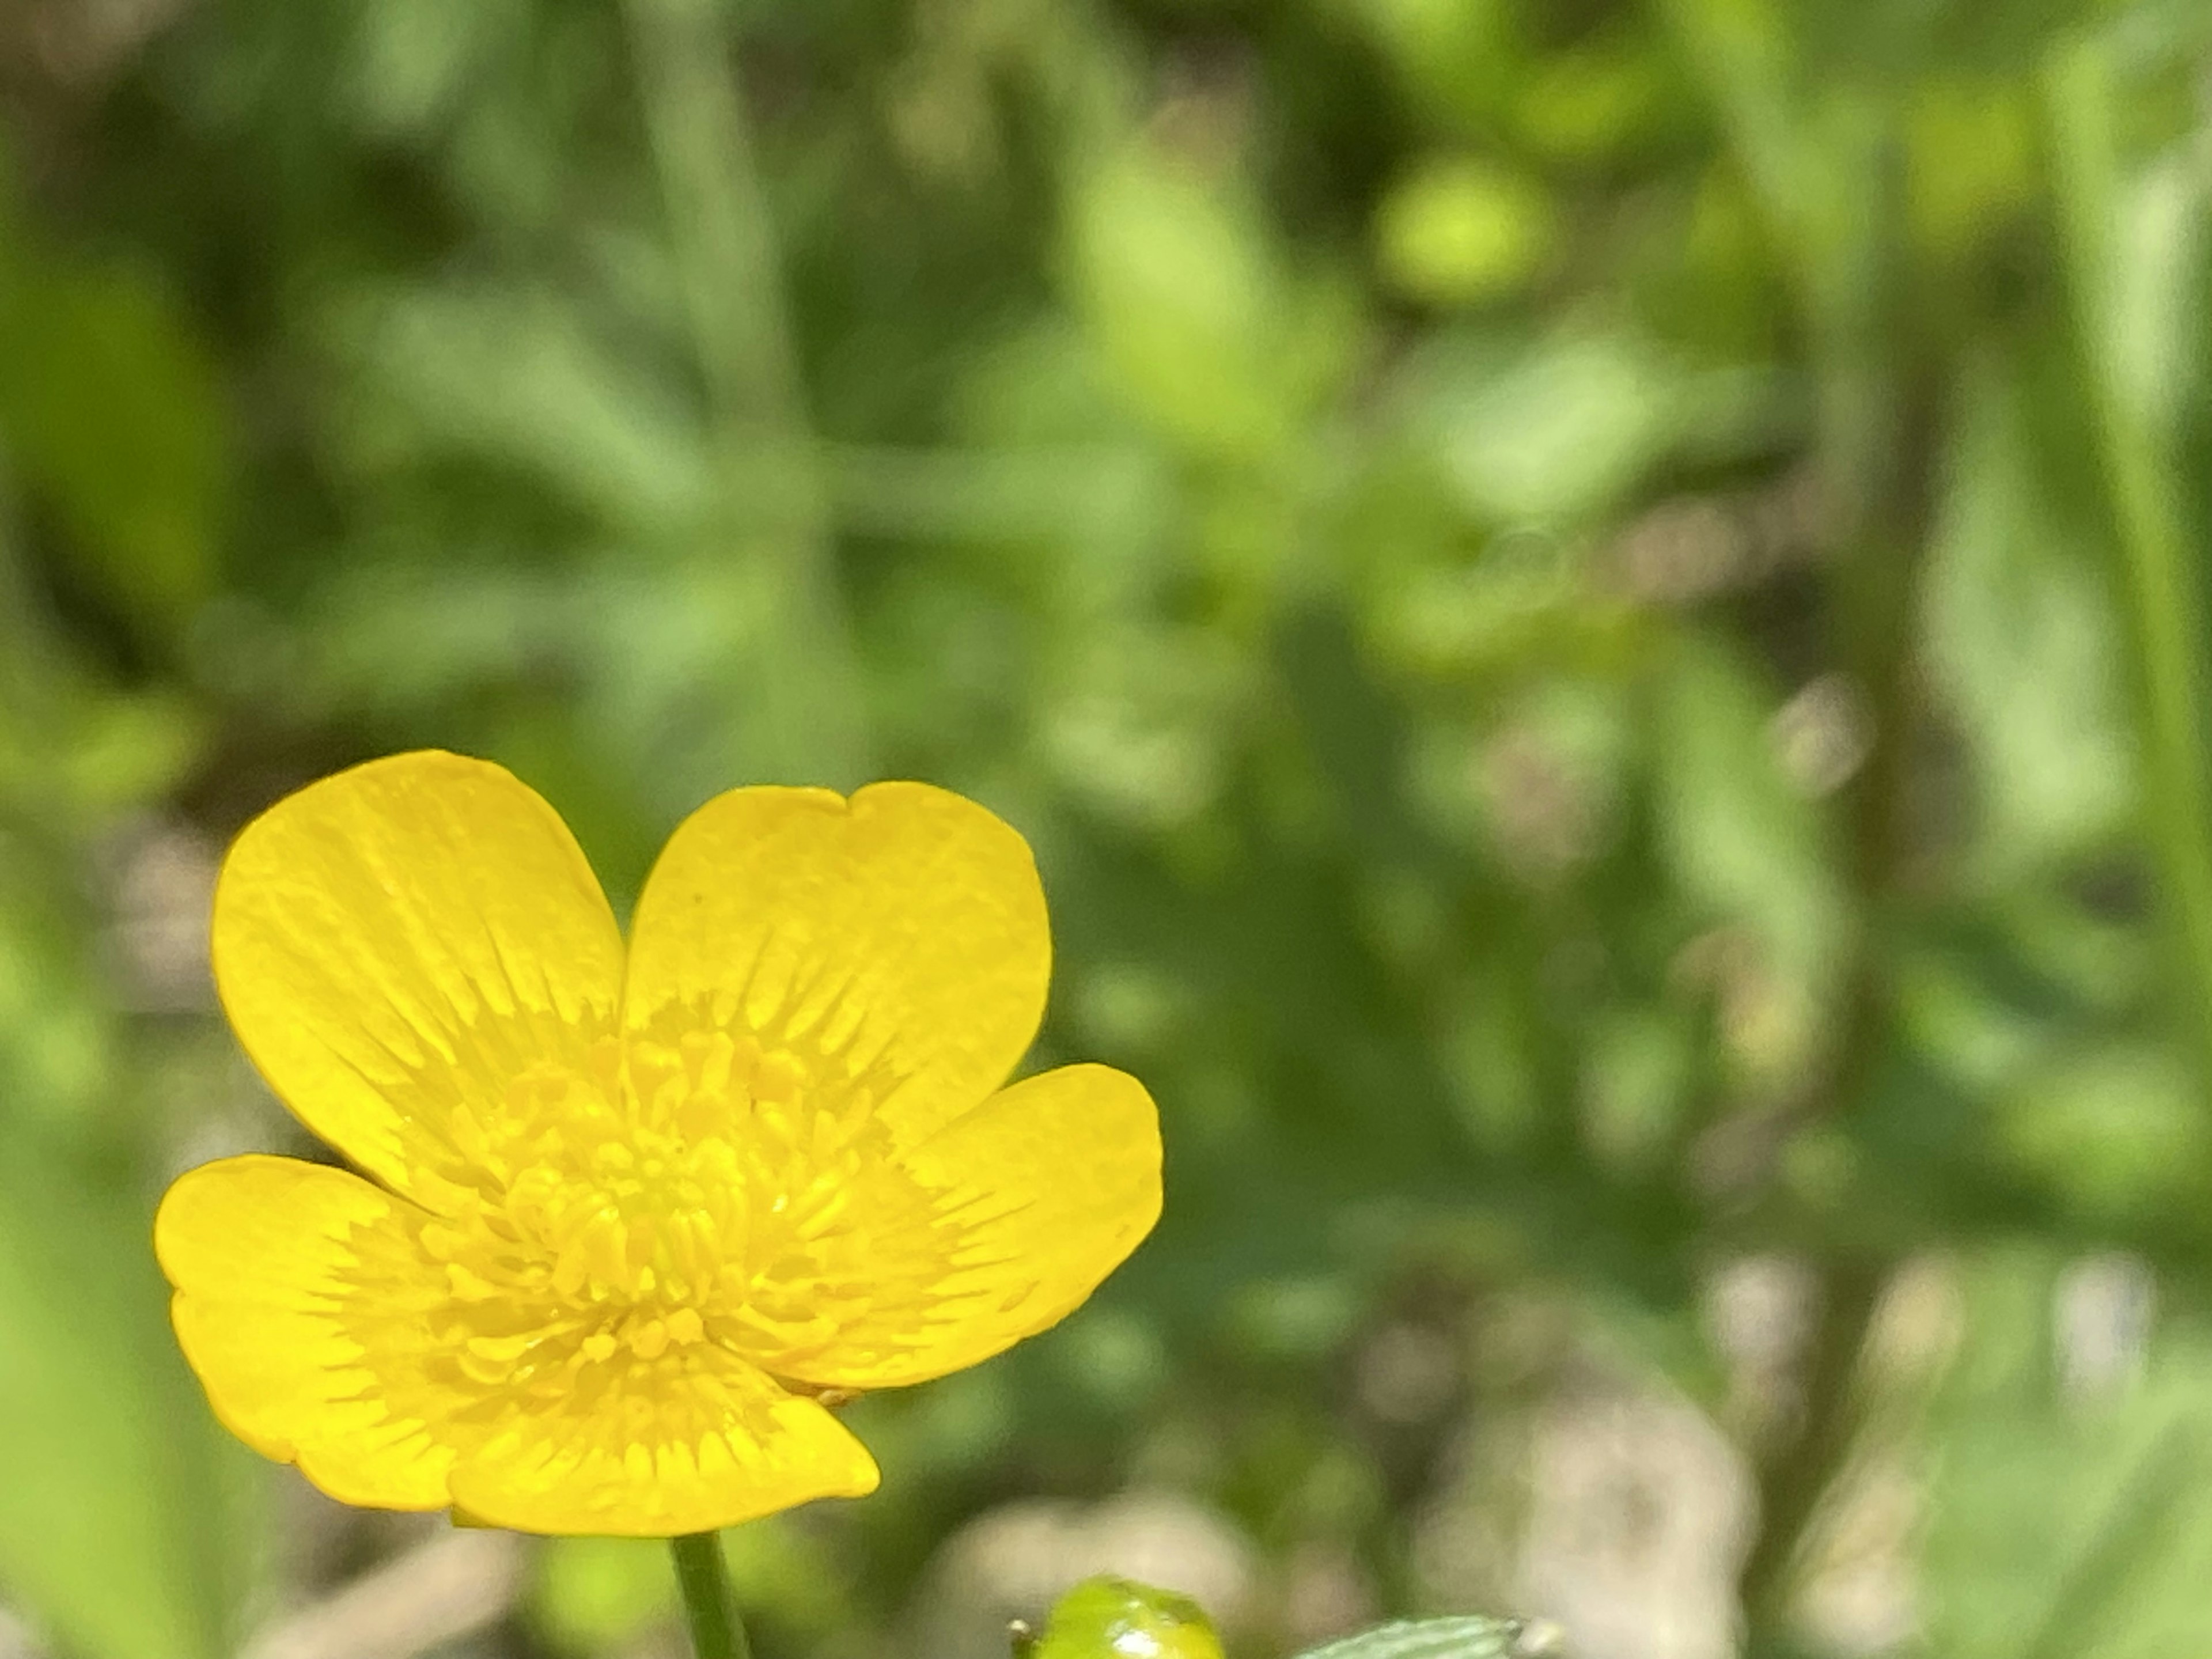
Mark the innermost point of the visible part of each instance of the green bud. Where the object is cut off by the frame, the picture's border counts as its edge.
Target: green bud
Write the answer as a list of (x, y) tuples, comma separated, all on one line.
[(1118, 1619)]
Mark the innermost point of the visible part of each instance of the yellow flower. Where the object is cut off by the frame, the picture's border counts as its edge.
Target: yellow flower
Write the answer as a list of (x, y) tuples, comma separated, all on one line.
[(632, 1214)]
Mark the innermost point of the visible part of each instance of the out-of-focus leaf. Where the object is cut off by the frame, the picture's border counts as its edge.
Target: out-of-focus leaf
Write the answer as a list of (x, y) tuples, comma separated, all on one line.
[(1898, 38), (1636, 1087), (695, 677), (1520, 597), (113, 1519), (1974, 168), (1554, 432), (1460, 230), (58, 1043), (1595, 103), (2136, 267), (1745, 51), (1136, 723), (2119, 1131), (589, 1595), (2070, 1506), (1746, 843), (2023, 639), (514, 377), (111, 411), (1459, 58), (1187, 301), (413, 59), (1430, 1638), (118, 1528), (1559, 429)]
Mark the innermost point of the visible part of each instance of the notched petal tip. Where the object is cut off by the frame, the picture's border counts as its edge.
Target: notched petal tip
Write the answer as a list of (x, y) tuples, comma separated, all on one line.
[(901, 933)]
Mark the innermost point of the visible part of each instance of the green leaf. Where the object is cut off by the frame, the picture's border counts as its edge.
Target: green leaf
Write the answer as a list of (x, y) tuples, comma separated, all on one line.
[(2135, 261), (413, 60), (112, 413), (1746, 844), (2116, 1130), (519, 377), (1460, 60), (1185, 297), (1459, 230), (1563, 428), (2025, 642), (2069, 1515), (1432, 1638), (113, 1529)]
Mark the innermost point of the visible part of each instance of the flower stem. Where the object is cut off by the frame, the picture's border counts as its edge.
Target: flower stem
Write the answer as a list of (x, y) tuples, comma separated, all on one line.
[(710, 1607)]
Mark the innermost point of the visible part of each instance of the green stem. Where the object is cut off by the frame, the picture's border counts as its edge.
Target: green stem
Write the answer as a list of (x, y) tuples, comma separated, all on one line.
[(768, 549), (710, 1607), (1794, 1478), (2159, 559), (718, 222), (1827, 164)]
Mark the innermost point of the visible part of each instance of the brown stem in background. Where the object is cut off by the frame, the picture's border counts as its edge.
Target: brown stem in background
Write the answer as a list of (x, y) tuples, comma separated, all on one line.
[(1879, 443), (1796, 1474)]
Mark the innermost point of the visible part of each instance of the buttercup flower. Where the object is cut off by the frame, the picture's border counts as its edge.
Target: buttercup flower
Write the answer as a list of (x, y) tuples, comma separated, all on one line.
[(631, 1215)]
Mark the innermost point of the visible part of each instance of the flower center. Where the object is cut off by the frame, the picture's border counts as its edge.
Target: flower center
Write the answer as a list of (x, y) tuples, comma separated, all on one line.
[(641, 1220)]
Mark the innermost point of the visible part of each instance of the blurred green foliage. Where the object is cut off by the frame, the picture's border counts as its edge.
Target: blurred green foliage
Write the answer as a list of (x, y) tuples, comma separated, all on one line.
[(1595, 608)]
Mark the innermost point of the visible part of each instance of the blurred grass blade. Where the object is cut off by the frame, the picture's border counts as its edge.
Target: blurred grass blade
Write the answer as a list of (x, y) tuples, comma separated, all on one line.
[(2125, 259), (2068, 1514), (717, 213), (2093, 1596), (2023, 636), (801, 685), (108, 1526)]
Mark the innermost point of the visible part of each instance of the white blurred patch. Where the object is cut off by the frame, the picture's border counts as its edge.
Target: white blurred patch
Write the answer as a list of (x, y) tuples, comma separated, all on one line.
[(1639, 1515), (2104, 1307)]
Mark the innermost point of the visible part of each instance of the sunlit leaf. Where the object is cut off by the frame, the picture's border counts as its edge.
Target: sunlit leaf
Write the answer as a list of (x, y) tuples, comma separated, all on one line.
[(2069, 1510), (115, 1520), (1430, 1638), (2022, 634)]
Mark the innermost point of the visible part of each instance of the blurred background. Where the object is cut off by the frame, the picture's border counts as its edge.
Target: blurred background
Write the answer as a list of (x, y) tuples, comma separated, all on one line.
[(1595, 610)]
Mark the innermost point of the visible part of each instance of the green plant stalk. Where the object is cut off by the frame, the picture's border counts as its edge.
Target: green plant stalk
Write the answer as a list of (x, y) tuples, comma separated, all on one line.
[(2165, 602), (718, 222), (774, 517), (710, 1606), (1828, 173), (1794, 1477)]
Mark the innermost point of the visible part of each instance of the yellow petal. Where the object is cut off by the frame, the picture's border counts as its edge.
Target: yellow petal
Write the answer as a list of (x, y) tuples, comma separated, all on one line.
[(287, 1276), (395, 944), (995, 1228), (894, 942), (719, 1444)]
